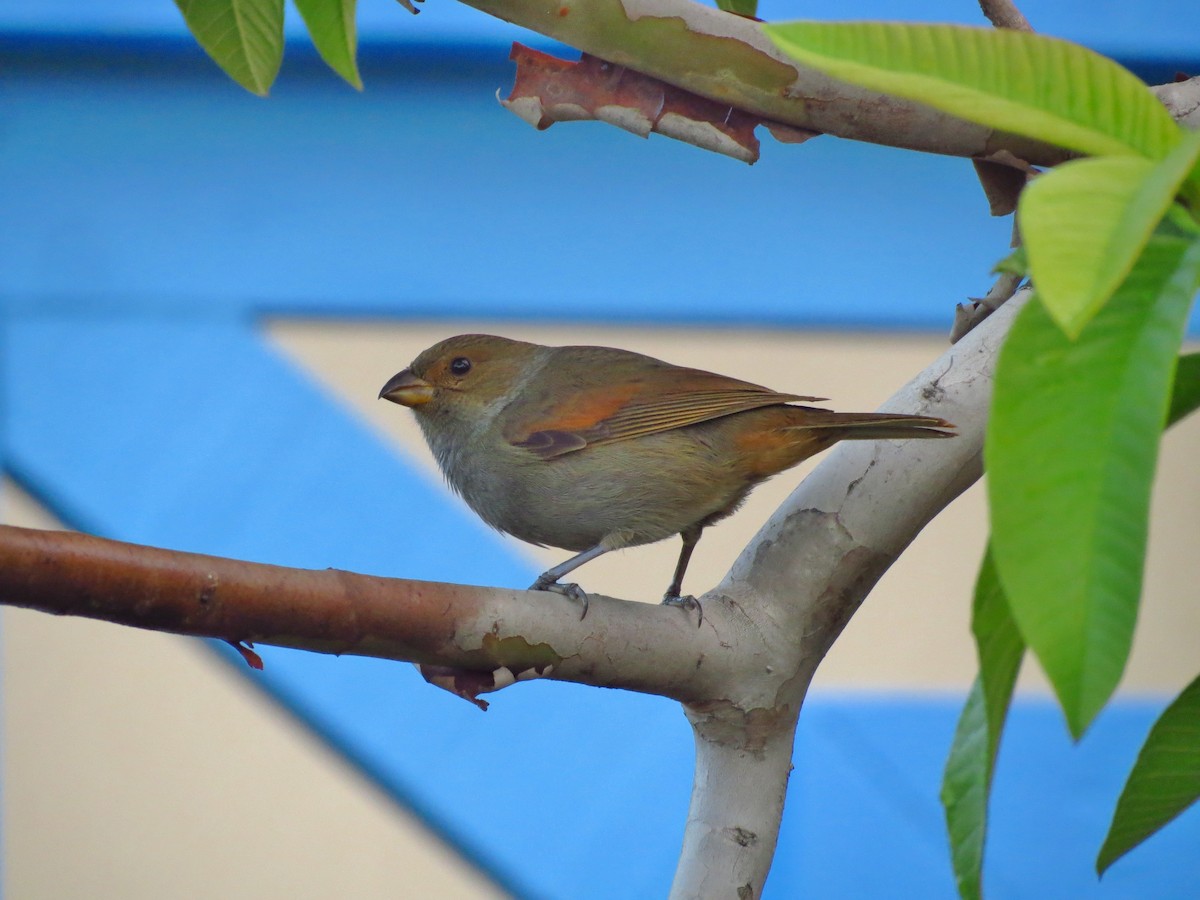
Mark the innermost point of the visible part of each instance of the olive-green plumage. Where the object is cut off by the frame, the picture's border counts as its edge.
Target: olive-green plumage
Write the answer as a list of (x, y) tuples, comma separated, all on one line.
[(592, 448)]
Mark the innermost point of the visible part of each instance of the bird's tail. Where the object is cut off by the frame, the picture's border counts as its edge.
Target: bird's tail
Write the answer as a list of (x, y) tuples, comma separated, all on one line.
[(873, 426)]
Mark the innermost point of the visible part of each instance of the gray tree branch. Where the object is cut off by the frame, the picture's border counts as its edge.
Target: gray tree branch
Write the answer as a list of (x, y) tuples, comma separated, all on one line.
[(1182, 100), (796, 586), (728, 59)]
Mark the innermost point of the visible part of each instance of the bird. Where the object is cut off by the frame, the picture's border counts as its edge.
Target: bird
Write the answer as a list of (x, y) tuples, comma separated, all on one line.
[(594, 449)]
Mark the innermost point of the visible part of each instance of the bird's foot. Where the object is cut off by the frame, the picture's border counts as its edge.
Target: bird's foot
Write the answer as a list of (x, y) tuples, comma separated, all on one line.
[(572, 591), (686, 603)]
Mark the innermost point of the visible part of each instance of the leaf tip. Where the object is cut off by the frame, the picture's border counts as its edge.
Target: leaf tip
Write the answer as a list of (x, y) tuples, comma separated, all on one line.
[(1106, 857)]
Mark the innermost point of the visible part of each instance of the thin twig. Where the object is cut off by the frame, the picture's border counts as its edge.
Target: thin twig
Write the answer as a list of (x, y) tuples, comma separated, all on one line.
[(968, 315), (1004, 14)]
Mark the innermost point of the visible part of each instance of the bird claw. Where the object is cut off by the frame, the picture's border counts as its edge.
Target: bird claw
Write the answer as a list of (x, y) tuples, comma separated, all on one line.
[(687, 603), (571, 591)]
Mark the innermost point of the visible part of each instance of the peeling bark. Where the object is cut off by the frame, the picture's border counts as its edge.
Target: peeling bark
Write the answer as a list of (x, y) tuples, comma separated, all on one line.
[(727, 59), (549, 90)]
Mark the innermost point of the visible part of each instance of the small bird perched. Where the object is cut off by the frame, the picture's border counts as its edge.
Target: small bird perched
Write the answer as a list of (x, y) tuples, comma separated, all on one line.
[(593, 449)]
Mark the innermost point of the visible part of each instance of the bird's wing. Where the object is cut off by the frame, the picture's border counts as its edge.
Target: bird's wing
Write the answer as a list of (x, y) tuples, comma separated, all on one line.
[(654, 401)]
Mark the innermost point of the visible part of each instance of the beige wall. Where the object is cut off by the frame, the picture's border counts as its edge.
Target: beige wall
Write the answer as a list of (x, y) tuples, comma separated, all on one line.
[(136, 765)]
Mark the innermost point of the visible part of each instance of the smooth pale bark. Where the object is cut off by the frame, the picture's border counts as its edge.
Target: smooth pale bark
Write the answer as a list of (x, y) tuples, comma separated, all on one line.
[(796, 586), (1182, 100)]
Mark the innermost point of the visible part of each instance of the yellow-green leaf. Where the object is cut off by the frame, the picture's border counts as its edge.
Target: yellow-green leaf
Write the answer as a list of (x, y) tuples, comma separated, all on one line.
[(1071, 449), (1026, 84), (1085, 223)]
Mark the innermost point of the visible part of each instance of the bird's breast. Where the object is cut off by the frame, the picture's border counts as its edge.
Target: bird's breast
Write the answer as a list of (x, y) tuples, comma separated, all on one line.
[(619, 494)]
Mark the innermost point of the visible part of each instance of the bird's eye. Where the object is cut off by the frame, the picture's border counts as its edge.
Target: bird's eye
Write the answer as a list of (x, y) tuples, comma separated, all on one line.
[(460, 365)]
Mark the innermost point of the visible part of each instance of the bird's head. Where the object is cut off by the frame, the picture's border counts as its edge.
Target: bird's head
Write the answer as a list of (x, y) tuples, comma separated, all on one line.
[(462, 376)]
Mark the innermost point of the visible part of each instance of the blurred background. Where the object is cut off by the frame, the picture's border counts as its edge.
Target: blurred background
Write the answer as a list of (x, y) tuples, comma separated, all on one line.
[(203, 292)]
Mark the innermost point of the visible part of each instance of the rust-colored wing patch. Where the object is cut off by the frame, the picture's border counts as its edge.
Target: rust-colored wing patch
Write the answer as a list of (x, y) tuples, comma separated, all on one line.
[(648, 414)]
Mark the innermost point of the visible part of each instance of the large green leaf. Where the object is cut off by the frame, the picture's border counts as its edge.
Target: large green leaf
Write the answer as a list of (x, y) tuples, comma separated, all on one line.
[(244, 37), (1027, 84), (1165, 779), (1071, 450), (1185, 395), (1086, 222), (332, 27), (967, 781)]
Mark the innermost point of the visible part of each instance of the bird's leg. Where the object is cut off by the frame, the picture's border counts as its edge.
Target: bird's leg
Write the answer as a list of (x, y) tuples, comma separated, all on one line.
[(671, 598), (548, 580)]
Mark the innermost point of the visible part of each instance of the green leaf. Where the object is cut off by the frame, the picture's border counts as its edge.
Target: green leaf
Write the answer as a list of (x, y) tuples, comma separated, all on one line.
[(1023, 83), (1165, 779), (1070, 450), (747, 8), (1185, 396), (1086, 222), (966, 787), (332, 27), (244, 37), (967, 781)]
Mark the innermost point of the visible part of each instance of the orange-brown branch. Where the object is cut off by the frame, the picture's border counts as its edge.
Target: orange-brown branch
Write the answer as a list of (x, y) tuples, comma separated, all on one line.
[(189, 593), (507, 634)]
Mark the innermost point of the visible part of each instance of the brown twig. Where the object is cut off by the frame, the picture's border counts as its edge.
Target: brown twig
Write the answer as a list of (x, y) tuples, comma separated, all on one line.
[(187, 593), (969, 315), (485, 630), (1004, 14)]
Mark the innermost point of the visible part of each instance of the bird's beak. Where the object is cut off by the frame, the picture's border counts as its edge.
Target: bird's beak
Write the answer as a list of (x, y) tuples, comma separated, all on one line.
[(407, 389)]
